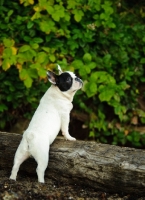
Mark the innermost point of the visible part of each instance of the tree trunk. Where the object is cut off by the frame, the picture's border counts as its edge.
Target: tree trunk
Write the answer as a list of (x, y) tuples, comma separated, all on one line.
[(105, 167)]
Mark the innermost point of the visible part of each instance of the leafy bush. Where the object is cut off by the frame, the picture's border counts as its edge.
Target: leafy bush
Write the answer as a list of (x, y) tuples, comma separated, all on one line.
[(15, 101), (102, 41)]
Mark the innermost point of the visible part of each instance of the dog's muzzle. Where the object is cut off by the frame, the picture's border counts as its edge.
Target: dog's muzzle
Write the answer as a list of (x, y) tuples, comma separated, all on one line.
[(79, 80)]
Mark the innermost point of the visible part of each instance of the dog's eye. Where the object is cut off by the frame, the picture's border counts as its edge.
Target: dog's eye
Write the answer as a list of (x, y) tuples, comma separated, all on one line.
[(68, 80)]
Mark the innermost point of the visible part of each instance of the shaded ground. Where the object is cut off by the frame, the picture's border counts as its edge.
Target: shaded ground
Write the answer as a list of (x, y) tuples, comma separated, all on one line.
[(27, 188)]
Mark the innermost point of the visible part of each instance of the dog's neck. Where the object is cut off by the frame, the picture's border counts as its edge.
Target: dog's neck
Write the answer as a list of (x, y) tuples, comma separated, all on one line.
[(55, 91)]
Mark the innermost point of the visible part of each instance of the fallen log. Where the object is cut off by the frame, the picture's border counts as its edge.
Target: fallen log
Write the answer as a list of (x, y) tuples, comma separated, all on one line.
[(105, 167)]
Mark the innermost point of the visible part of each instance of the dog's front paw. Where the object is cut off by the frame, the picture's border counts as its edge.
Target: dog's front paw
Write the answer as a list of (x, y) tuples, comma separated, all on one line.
[(68, 137)]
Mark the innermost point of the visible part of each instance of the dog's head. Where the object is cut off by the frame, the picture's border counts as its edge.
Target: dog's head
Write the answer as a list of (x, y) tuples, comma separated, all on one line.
[(65, 81)]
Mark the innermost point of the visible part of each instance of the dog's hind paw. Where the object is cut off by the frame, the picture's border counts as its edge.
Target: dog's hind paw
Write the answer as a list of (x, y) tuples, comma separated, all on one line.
[(12, 178)]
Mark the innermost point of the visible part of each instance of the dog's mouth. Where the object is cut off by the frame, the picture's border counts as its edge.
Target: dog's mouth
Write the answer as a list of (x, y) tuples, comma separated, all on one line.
[(81, 83)]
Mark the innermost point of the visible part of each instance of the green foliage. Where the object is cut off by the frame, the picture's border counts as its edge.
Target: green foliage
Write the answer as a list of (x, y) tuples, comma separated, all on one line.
[(101, 40), (15, 101)]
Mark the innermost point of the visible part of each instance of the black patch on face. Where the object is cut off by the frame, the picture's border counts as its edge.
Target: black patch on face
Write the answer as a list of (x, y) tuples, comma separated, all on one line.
[(64, 81)]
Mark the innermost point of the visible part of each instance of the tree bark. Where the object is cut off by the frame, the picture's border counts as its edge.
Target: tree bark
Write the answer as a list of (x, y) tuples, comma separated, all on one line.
[(102, 166)]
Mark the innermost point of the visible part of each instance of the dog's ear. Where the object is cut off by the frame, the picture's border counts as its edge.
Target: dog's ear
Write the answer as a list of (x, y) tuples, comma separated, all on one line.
[(51, 77), (59, 69)]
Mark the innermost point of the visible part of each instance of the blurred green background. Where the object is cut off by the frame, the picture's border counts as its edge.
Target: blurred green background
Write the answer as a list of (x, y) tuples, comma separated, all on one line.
[(102, 41)]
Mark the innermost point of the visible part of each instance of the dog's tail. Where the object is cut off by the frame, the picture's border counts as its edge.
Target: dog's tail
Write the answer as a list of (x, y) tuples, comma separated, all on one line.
[(27, 137)]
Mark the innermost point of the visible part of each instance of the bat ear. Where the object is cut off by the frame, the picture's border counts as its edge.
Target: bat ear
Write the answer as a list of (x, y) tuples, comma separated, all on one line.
[(59, 69), (51, 77)]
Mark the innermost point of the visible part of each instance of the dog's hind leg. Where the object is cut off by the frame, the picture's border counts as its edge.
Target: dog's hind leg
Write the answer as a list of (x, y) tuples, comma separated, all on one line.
[(21, 155), (41, 158)]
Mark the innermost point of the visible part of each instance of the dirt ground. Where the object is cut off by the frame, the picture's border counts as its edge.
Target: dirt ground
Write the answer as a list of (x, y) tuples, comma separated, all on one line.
[(27, 187)]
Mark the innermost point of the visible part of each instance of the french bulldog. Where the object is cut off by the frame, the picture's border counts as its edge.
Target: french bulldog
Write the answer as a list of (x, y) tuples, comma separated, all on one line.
[(51, 116)]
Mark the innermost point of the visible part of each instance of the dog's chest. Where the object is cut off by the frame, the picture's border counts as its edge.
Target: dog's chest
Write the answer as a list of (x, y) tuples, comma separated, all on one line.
[(63, 106), (53, 98)]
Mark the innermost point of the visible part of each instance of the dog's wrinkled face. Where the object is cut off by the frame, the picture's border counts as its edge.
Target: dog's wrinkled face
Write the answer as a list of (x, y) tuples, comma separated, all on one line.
[(66, 81)]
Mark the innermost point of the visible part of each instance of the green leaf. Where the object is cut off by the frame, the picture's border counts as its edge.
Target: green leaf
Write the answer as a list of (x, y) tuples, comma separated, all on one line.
[(142, 60), (42, 72), (30, 24), (77, 64), (35, 66), (73, 44), (90, 89), (106, 95), (3, 107), (107, 58), (137, 137), (10, 13), (58, 12), (23, 74), (41, 57), (32, 72), (52, 58), (37, 40), (78, 14), (35, 46), (26, 56), (111, 25), (67, 17), (44, 2), (28, 82), (6, 64), (8, 42), (129, 138), (47, 26), (98, 75), (47, 49), (103, 16), (91, 65), (49, 9), (24, 48), (87, 57), (102, 77), (7, 53), (84, 71), (7, 82), (71, 4), (93, 88), (120, 111), (91, 134), (36, 15)]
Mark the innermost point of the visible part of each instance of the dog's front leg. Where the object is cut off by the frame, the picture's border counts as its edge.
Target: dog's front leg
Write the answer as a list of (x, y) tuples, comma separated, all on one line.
[(64, 127)]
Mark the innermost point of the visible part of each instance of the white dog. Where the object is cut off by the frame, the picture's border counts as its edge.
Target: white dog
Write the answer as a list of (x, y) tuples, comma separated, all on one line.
[(52, 114)]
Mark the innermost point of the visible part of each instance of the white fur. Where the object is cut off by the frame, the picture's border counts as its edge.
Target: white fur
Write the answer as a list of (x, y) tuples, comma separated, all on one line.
[(52, 114)]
